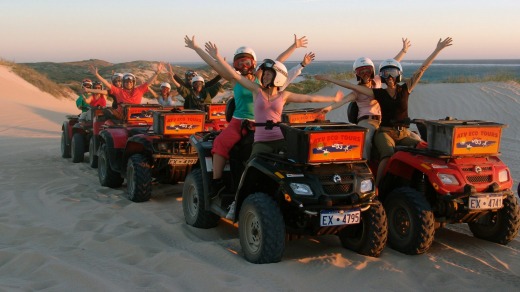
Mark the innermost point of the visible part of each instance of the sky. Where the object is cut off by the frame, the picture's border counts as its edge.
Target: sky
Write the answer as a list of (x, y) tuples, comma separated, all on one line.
[(154, 30)]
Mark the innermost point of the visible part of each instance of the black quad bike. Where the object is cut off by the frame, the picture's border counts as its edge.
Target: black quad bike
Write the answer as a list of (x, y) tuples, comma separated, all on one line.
[(163, 154), (320, 186), (457, 177)]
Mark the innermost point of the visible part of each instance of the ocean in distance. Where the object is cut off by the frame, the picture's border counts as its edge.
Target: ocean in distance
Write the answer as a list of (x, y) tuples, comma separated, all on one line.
[(440, 71)]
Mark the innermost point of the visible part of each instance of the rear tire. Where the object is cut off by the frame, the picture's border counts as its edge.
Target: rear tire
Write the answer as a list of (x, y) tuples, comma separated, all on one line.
[(262, 229), (65, 149), (78, 147), (107, 177), (92, 151), (139, 179), (411, 224), (500, 226), (193, 202), (369, 237)]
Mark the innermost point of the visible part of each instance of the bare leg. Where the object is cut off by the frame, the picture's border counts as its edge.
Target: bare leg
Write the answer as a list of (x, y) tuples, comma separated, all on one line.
[(218, 165)]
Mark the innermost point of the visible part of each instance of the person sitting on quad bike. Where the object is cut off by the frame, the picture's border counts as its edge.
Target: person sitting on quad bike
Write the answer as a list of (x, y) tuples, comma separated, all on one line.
[(165, 98), (369, 111), (80, 101), (129, 93), (244, 61), (117, 81), (94, 100), (196, 95), (394, 104)]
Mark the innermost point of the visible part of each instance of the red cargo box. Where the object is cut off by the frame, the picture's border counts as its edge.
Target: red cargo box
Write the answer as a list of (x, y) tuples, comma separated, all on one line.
[(302, 116), (182, 123), (216, 111), (322, 143)]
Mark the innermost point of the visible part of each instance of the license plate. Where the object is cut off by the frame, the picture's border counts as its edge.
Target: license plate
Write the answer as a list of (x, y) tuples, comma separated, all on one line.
[(334, 218), (485, 202), (178, 161)]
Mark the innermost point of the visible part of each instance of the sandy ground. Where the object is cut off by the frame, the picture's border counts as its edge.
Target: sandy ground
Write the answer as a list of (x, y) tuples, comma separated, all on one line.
[(61, 231)]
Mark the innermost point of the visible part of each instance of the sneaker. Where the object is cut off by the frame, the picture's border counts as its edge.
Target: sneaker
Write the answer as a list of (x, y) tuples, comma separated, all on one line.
[(217, 186), (231, 213)]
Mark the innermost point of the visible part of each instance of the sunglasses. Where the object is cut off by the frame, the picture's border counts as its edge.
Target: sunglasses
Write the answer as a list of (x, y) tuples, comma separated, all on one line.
[(366, 70), (118, 81), (87, 85), (128, 81), (390, 72)]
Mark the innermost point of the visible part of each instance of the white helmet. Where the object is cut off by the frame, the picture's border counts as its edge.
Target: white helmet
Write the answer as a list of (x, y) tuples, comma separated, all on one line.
[(166, 84), (129, 76), (391, 63), (244, 50), (280, 72), (116, 76), (363, 62), (197, 78)]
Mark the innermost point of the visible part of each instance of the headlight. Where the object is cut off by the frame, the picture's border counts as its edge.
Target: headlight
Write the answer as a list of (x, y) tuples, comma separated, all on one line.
[(503, 175), (448, 179), (366, 186), (301, 189)]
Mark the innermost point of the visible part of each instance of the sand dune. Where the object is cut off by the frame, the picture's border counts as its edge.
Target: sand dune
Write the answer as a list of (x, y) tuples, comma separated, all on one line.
[(61, 231)]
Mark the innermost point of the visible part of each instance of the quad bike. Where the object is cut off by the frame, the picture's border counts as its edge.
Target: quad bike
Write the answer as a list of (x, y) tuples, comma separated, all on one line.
[(111, 143), (457, 178), (163, 154), (320, 186)]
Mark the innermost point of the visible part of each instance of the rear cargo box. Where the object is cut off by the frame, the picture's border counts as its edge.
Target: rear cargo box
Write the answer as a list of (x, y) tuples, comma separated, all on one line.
[(216, 111), (324, 142), (181, 123), (139, 114), (464, 137), (301, 116)]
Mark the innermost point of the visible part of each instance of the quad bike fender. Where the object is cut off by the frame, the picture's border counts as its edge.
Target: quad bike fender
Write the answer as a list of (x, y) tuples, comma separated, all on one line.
[(258, 170)]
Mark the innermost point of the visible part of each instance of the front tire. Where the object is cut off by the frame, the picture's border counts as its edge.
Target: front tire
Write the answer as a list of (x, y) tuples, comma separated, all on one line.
[(369, 237), (411, 224), (65, 149), (107, 177), (262, 229), (92, 151), (193, 202), (78, 147), (139, 179), (500, 226)]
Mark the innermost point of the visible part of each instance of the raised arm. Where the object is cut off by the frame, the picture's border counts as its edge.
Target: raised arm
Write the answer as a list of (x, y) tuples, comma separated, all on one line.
[(358, 88), (90, 90), (419, 73), (298, 43), (190, 43), (212, 51), (160, 67), (349, 98), (94, 71), (403, 51), (172, 76), (297, 97), (297, 70)]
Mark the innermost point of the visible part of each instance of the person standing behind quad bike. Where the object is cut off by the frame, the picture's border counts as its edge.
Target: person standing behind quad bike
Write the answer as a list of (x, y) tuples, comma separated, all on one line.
[(94, 100), (188, 75), (394, 104), (369, 111), (165, 98), (197, 94), (129, 93), (244, 61)]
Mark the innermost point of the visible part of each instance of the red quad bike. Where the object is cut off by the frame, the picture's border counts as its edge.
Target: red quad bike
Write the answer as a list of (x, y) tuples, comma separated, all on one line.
[(457, 178), (163, 154), (112, 140), (84, 137), (321, 186)]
